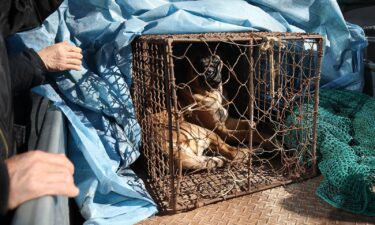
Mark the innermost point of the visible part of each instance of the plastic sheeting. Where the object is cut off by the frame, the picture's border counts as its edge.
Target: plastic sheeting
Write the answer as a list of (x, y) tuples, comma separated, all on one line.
[(343, 55), (97, 102), (108, 194)]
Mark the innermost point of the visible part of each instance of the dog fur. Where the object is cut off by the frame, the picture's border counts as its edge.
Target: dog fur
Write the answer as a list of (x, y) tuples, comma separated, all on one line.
[(200, 94), (190, 143)]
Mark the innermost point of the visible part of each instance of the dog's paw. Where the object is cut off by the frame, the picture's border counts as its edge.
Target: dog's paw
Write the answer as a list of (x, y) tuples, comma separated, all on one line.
[(241, 155), (216, 162)]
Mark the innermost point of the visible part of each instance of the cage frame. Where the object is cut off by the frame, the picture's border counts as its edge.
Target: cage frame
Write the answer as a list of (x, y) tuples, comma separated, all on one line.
[(167, 42)]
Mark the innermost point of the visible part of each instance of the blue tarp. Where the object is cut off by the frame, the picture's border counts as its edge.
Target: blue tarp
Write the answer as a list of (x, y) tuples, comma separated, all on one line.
[(96, 100)]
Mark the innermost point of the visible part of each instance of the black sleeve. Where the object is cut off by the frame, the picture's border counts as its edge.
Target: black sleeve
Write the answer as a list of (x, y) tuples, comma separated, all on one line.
[(24, 15), (4, 188), (46, 7), (26, 71)]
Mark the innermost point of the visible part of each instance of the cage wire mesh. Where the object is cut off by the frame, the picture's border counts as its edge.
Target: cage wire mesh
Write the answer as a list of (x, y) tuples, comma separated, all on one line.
[(212, 108)]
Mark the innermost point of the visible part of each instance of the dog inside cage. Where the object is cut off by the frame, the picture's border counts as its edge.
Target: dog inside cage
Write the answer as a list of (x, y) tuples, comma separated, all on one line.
[(212, 92), (224, 114)]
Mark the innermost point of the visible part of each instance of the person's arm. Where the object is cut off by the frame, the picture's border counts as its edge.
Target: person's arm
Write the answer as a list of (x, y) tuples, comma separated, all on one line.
[(28, 68), (24, 15), (4, 188)]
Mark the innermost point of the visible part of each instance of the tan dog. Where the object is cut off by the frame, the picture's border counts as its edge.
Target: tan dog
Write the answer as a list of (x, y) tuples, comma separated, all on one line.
[(192, 141), (201, 95)]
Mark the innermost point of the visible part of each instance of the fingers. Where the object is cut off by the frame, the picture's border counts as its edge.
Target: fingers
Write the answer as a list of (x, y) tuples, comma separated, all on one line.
[(59, 160), (74, 55), (54, 176), (73, 58), (68, 64), (54, 184), (75, 49), (71, 48), (37, 173), (61, 57), (72, 67), (72, 61), (61, 188), (59, 184), (57, 177)]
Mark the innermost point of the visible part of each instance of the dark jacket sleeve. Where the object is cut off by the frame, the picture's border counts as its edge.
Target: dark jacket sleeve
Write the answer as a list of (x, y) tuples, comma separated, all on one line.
[(24, 15), (4, 188), (26, 71)]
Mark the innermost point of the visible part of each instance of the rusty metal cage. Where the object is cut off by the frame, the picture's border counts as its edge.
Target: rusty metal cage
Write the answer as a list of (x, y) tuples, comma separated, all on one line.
[(213, 111)]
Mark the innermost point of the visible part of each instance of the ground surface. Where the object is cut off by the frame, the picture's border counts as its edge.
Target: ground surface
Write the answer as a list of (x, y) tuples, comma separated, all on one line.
[(293, 204)]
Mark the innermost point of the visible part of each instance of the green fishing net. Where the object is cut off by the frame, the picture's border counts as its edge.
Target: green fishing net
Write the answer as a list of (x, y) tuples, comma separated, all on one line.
[(345, 149)]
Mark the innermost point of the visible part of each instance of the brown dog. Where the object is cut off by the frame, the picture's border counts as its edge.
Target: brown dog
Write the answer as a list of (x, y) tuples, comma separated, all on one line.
[(200, 94), (190, 143)]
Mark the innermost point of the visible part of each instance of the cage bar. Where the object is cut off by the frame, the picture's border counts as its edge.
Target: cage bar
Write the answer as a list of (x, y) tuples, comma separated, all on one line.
[(246, 102)]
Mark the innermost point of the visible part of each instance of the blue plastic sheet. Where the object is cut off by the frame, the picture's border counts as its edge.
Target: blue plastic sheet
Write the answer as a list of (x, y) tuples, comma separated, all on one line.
[(108, 194), (105, 134), (344, 43)]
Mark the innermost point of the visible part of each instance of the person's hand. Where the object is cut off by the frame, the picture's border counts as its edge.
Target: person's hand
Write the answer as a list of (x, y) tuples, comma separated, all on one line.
[(37, 173), (61, 57)]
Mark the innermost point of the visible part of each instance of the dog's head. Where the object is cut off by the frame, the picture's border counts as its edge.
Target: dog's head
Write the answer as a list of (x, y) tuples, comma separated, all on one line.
[(210, 67)]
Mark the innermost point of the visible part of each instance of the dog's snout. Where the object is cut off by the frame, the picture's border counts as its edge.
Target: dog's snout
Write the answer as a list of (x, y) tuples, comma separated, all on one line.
[(211, 66), (211, 70)]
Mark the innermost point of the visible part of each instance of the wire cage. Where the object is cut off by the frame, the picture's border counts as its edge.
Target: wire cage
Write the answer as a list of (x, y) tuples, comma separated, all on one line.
[(225, 114)]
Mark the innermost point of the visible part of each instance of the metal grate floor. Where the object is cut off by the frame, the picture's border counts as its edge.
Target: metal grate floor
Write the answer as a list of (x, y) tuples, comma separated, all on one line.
[(292, 204)]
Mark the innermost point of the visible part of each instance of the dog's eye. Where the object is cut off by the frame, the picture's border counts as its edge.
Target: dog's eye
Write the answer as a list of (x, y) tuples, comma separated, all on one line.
[(205, 61)]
